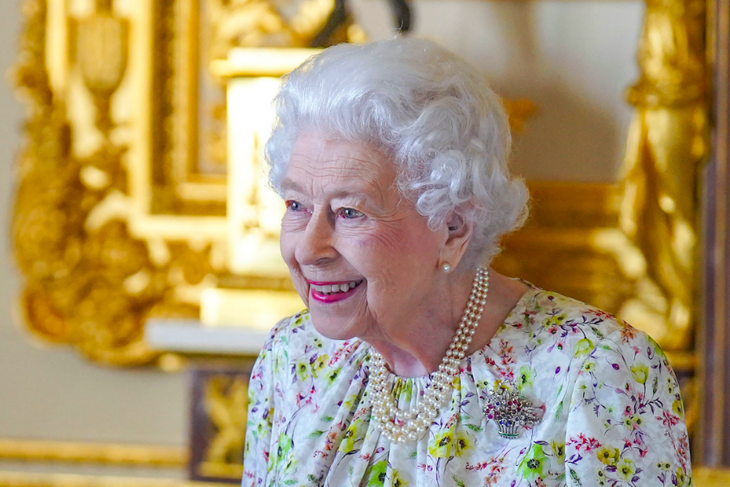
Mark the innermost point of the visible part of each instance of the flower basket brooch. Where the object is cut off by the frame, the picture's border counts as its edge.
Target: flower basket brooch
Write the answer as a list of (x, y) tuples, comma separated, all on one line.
[(510, 411)]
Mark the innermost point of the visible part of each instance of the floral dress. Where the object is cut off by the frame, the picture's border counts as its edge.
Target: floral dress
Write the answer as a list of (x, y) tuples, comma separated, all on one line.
[(611, 412)]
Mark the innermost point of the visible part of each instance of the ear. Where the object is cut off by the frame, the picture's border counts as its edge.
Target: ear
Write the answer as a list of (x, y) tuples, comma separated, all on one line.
[(459, 230)]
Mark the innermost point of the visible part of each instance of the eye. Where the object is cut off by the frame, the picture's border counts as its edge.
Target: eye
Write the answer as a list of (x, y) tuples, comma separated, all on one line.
[(294, 205), (350, 213)]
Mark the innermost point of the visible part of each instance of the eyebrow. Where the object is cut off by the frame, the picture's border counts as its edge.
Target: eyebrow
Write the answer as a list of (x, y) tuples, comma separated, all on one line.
[(288, 184)]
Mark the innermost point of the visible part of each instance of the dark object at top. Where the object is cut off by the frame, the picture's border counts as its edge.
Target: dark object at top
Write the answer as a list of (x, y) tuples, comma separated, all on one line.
[(340, 15)]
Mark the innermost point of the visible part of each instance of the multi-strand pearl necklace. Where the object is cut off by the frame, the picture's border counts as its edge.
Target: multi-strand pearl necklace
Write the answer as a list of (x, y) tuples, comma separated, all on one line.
[(400, 425)]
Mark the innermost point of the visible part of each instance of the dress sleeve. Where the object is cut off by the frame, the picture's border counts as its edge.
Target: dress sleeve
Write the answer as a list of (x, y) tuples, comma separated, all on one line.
[(259, 421), (626, 420)]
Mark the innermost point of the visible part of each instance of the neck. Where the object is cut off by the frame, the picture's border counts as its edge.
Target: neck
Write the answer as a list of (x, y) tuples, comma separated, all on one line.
[(423, 346)]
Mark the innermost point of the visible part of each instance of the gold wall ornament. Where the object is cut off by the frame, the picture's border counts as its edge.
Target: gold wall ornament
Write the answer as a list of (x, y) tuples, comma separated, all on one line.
[(89, 281), (218, 415), (102, 51), (667, 144)]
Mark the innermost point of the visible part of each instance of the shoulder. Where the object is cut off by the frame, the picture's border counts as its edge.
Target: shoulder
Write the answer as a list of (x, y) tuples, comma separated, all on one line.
[(291, 334), (553, 320)]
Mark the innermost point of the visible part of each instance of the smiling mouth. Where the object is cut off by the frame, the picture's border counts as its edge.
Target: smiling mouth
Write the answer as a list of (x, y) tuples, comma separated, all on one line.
[(330, 292), (336, 288)]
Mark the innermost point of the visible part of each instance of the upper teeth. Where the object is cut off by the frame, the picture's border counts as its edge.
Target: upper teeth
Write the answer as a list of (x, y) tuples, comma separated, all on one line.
[(335, 288)]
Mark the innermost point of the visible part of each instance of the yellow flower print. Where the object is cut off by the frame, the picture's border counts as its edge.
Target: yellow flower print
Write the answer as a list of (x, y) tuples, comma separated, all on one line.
[(640, 373), (397, 481), (320, 364), (526, 378), (348, 439), (302, 369), (671, 387), (626, 469), (464, 443), (553, 321), (589, 366), (442, 445), (608, 455), (633, 422), (558, 451), (681, 477), (678, 408), (583, 348)]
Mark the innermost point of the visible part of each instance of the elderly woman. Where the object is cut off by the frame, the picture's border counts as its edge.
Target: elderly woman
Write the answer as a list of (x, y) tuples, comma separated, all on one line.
[(415, 363)]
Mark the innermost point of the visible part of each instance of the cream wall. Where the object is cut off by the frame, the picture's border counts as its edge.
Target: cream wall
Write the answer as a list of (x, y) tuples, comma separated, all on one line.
[(573, 59)]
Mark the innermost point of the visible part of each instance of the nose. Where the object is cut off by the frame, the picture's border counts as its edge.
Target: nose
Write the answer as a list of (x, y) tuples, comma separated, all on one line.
[(315, 246)]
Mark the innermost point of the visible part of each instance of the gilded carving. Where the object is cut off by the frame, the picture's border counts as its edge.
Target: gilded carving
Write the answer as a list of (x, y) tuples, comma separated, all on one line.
[(226, 402), (89, 282), (667, 144)]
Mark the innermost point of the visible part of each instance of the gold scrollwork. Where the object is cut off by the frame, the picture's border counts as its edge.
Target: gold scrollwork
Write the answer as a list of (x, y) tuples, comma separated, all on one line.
[(89, 282), (226, 403)]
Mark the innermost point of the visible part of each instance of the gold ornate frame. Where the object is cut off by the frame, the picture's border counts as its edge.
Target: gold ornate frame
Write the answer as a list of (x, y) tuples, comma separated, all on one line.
[(115, 216)]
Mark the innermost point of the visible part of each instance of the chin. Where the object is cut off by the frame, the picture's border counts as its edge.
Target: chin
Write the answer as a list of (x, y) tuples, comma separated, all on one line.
[(331, 327)]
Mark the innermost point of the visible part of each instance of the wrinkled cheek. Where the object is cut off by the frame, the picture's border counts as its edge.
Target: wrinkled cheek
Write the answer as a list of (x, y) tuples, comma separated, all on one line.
[(287, 246)]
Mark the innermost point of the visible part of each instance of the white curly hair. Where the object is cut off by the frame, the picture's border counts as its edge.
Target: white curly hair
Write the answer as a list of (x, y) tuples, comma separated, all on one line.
[(430, 111)]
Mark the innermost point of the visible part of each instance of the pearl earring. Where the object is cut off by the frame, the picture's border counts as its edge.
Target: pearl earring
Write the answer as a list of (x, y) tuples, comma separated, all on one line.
[(446, 267)]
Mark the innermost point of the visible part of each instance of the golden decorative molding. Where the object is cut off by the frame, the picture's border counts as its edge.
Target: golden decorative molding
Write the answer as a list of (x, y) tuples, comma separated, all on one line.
[(106, 453)]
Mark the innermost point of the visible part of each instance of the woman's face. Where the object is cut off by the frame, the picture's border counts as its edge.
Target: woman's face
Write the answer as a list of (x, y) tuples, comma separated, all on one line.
[(360, 256)]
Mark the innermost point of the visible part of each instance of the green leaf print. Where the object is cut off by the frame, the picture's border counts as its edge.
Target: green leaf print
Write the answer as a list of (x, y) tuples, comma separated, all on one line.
[(598, 332), (315, 434), (574, 476), (458, 481)]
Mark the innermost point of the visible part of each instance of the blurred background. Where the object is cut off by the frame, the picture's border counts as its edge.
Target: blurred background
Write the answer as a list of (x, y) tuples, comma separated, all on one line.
[(139, 267)]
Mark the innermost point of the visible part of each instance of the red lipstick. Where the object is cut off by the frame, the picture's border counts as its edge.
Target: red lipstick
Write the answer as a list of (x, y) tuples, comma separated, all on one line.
[(335, 297)]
